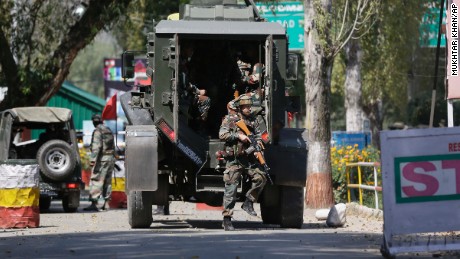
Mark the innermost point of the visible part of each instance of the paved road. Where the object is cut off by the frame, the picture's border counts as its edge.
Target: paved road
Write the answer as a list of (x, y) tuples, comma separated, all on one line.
[(188, 233)]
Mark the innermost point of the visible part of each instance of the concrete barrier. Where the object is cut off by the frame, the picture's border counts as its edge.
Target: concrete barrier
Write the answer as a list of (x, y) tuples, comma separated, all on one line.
[(118, 199), (19, 195)]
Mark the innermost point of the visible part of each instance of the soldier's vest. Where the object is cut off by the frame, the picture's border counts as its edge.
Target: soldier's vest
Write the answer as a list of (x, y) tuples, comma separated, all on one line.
[(237, 147), (108, 144)]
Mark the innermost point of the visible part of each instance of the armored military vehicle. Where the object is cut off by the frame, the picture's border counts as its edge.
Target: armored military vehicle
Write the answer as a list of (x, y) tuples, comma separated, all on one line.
[(170, 154)]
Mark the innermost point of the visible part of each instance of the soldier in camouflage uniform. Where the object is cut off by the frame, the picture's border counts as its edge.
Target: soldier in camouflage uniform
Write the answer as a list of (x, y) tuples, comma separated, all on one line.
[(249, 76), (103, 160), (247, 83), (239, 162), (198, 96)]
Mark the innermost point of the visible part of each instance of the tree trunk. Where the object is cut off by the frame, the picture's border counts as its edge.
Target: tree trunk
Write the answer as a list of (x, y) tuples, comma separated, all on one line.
[(373, 112), (353, 87), (317, 88)]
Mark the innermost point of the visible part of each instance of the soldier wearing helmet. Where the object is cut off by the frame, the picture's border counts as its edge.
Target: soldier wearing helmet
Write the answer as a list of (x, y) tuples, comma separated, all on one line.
[(238, 162), (197, 97), (232, 106), (250, 75), (102, 160)]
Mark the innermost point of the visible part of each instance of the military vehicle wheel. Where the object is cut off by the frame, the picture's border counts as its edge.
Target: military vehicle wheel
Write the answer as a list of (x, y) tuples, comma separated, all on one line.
[(140, 209), (292, 206), (44, 203), (71, 201), (56, 159), (270, 205)]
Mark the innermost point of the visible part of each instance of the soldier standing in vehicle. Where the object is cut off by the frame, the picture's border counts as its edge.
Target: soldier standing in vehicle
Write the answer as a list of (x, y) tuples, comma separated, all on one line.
[(250, 70), (102, 160), (200, 101), (239, 161), (248, 81)]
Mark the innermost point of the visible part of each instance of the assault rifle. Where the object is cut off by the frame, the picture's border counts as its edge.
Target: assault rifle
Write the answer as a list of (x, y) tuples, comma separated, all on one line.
[(255, 148)]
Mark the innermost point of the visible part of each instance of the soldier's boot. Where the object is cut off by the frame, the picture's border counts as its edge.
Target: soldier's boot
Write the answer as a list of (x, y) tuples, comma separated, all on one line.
[(227, 224), (92, 207), (248, 207), (105, 207)]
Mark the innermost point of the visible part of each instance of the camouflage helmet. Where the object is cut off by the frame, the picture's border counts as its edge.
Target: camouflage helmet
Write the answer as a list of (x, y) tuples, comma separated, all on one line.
[(245, 100), (96, 118)]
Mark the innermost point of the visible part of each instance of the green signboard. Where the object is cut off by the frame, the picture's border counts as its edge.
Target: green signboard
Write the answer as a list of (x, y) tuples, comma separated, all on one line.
[(430, 26), (288, 14)]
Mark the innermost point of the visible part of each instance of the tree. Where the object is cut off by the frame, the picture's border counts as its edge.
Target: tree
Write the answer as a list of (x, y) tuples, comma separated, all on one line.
[(40, 39), (131, 31), (128, 33), (391, 54), (353, 93), (323, 41)]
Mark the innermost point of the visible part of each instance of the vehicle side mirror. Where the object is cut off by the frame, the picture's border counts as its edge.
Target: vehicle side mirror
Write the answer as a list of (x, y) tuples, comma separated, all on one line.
[(127, 66), (292, 66)]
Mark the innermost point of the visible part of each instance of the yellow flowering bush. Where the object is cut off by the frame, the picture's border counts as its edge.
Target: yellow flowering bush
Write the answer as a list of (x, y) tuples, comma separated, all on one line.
[(340, 156), (84, 157)]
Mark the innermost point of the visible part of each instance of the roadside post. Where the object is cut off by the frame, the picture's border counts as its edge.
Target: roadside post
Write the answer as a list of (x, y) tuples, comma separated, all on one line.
[(421, 183)]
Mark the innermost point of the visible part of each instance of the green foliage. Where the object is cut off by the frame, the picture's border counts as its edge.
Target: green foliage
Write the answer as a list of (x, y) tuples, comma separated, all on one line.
[(85, 158), (323, 24), (131, 32), (337, 95), (39, 41), (392, 60), (389, 50), (87, 69), (340, 156)]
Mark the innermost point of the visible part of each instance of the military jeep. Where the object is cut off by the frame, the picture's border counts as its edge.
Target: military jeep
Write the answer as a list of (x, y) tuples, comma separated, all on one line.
[(169, 155), (44, 136)]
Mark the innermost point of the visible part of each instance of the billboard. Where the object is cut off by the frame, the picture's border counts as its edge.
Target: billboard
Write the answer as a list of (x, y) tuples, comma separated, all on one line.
[(113, 81), (290, 15)]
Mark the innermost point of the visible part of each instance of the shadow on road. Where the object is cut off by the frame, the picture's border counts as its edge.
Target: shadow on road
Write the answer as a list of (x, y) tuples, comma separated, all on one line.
[(197, 243)]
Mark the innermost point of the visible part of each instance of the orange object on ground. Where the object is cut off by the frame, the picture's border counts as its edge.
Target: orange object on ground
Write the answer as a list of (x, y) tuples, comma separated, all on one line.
[(118, 200), (86, 177), (204, 206)]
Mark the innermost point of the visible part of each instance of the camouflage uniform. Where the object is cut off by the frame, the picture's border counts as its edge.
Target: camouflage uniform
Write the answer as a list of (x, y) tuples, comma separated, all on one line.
[(247, 84), (102, 154), (249, 76), (200, 101), (238, 162)]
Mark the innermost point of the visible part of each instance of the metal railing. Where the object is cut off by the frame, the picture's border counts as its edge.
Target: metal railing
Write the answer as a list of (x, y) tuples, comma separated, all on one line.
[(360, 186)]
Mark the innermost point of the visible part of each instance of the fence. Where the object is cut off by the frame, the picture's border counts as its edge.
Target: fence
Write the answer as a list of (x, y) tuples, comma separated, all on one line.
[(360, 186)]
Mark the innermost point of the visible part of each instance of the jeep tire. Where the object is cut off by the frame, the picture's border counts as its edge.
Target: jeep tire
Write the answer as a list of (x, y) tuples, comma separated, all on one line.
[(71, 201), (140, 209), (56, 159), (44, 203)]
